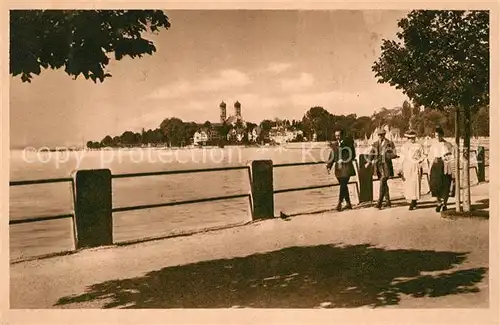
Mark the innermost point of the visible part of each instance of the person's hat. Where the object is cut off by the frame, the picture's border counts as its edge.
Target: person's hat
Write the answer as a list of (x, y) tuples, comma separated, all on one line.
[(381, 131), (411, 134)]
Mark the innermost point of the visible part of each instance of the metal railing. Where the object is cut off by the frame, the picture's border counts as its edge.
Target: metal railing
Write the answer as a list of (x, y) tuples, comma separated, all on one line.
[(174, 172), (37, 182), (41, 218), (177, 172), (311, 187), (250, 195), (41, 181), (164, 204)]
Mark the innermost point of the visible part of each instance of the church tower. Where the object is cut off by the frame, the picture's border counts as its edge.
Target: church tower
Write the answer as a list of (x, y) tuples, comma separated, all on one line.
[(223, 113), (237, 109)]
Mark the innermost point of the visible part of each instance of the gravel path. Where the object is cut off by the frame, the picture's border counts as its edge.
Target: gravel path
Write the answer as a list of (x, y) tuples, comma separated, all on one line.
[(358, 258)]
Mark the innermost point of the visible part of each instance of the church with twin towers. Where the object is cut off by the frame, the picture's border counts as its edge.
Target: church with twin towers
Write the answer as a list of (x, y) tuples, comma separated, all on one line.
[(236, 123), (232, 119)]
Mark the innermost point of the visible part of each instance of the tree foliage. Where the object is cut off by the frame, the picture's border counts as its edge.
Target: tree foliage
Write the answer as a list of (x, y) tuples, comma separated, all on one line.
[(319, 121), (80, 41), (223, 130), (129, 138), (441, 60), (174, 130), (481, 122), (250, 126), (423, 121)]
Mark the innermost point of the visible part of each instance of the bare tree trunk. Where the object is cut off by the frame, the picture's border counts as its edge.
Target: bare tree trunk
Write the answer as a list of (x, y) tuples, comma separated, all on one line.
[(458, 197), (467, 203)]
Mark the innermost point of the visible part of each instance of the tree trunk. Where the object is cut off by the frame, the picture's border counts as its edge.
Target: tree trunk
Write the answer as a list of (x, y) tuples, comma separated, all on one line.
[(458, 196), (467, 203)]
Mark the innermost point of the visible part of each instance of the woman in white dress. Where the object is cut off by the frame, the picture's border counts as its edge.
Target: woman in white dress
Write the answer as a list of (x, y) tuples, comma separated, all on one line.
[(412, 154)]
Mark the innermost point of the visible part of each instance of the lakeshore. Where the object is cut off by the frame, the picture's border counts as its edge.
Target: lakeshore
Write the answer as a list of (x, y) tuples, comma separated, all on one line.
[(483, 141), (53, 199)]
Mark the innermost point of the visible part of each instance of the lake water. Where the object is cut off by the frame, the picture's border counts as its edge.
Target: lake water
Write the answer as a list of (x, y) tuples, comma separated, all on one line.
[(54, 199)]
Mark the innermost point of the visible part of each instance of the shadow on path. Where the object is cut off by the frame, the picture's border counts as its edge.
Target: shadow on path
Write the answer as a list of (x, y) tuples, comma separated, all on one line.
[(481, 204), (296, 277), (478, 207)]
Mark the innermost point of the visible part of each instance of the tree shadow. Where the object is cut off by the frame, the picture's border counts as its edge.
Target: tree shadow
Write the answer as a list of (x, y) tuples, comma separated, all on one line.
[(479, 210), (427, 205), (481, 204), (295, 277), (420, 204), (477, 206)]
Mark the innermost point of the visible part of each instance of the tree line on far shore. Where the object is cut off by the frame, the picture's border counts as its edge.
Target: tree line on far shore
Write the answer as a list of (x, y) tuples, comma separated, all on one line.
[(421, 119), (177, 133), (317, 120)]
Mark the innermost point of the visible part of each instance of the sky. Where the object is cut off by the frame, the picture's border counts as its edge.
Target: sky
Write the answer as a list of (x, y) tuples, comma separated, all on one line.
[(275, 63)]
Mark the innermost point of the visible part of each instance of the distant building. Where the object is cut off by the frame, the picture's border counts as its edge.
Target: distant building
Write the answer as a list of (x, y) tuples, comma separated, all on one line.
[(232, 119), (200, 137), (236, 123), (237, 127), (223, 112), (252, 135)]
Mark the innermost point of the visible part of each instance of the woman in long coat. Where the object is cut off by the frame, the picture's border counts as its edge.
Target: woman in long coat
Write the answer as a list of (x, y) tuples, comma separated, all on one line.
[(412, 154), (442, 169)]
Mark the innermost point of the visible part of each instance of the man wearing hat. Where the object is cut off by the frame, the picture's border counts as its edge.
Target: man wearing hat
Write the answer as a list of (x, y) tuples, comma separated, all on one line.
[(381, 154), (412, 154), (341, 159)]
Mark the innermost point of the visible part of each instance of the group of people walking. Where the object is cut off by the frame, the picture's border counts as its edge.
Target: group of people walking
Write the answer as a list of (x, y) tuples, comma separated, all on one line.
[(380, 157)]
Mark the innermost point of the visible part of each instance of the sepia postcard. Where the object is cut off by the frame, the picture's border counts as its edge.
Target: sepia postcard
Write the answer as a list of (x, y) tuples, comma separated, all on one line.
[(237, 162)]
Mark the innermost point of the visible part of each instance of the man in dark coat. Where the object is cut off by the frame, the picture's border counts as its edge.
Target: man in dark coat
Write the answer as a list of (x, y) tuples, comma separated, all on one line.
[(381, 154), (341, 159)]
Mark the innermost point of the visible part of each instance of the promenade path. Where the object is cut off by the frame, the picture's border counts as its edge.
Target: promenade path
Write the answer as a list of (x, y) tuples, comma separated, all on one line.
[(358, 258)]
